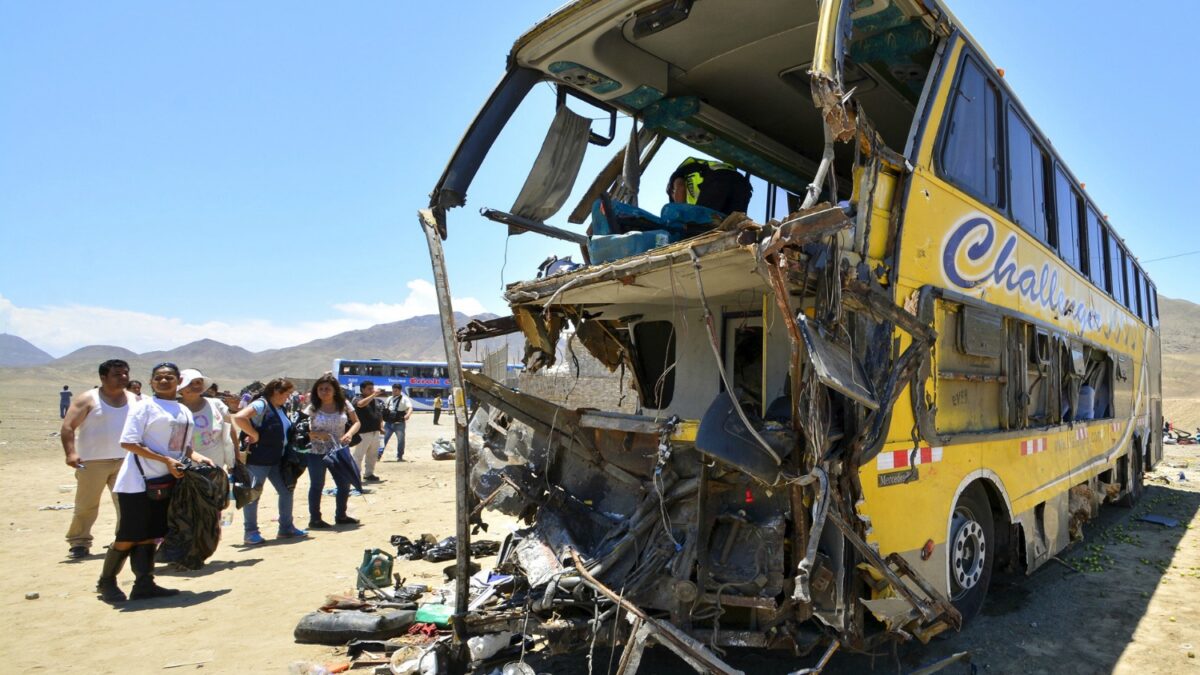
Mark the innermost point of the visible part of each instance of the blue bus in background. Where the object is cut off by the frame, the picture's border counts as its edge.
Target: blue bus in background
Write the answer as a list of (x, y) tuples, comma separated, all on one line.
[(423, 381)]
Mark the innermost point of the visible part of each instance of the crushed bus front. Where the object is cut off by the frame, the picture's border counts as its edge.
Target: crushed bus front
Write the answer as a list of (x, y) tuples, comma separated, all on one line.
[(774, 358)]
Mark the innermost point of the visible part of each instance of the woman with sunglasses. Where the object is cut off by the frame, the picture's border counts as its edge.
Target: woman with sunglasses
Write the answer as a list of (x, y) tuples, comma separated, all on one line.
[(157, 439), (266, 427), (328, 412)]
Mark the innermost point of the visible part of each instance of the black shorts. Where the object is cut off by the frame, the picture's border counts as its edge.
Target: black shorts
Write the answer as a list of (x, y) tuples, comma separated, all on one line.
[(141, 518)]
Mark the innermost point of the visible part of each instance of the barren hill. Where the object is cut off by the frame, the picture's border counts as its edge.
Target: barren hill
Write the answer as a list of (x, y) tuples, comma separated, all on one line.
[(18, 352), (418, 339), (1181, 361)]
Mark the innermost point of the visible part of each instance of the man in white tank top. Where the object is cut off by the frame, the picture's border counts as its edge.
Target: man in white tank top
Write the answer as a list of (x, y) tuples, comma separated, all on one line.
[(91, 440)]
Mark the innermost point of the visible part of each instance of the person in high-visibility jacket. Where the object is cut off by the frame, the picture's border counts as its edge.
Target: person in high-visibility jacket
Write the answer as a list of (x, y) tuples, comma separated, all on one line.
[(709, 183)]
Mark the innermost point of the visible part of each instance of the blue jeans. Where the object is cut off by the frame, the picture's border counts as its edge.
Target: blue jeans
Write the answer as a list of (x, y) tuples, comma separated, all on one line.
[(396, 428), (273, 474), (316, 486)]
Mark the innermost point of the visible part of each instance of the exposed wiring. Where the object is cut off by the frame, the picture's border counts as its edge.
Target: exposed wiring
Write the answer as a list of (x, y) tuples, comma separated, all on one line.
[(712, 342)]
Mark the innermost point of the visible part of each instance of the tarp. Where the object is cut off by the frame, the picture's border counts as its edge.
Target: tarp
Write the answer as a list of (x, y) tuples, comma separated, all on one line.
[(194, 516)]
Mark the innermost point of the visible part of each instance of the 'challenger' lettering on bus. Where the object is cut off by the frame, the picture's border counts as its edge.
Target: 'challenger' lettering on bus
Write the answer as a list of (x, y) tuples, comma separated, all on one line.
[(973, 242)]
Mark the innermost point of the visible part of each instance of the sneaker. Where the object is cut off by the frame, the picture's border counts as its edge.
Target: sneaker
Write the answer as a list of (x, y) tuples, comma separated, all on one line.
[(291, 532), (79, 552), (346, 520), (318, 524), (253, 539), (372, 478)]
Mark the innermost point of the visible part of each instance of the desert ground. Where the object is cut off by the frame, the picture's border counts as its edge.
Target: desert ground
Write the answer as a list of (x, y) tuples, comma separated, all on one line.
[(1132, 608)]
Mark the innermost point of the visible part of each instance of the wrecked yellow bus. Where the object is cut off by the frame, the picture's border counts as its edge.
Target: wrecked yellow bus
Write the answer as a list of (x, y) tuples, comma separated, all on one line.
[(917, 353)]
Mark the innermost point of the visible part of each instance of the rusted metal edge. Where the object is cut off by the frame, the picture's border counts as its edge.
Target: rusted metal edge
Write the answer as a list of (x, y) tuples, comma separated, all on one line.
[(481, 330), (462, 494)]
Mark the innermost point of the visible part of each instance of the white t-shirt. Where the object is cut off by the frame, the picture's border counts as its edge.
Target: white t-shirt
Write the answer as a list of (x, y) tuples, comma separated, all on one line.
[(403, 406), (160, 425), (209, 431)]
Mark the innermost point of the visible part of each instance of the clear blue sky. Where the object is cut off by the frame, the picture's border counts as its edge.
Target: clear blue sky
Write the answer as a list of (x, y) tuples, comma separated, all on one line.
[(278, 152)]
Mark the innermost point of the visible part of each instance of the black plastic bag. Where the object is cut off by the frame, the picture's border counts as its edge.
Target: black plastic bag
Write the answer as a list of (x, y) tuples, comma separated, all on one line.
[(245, 490)]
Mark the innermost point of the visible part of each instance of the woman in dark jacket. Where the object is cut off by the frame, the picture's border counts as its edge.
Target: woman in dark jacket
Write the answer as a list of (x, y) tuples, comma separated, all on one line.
[(266, 427)]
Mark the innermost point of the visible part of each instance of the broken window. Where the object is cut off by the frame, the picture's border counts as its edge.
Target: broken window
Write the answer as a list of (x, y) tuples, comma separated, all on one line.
[(744, 359), (1042, 406), (1096, 389), (654, 362), (971, 373), (970, 154), (1074, 366)]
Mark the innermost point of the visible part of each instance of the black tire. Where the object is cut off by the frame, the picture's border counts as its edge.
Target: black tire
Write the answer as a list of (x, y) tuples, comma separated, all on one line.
[(970, 551), (1136, 478)]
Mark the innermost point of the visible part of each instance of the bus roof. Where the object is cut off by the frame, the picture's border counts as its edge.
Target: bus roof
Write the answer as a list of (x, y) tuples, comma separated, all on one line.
[(575, 20)]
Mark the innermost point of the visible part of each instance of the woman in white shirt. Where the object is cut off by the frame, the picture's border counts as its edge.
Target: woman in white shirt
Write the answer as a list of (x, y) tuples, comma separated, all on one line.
[(157, 437)]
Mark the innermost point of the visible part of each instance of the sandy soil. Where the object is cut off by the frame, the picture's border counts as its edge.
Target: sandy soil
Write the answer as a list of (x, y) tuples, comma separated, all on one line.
[(1132, 610)]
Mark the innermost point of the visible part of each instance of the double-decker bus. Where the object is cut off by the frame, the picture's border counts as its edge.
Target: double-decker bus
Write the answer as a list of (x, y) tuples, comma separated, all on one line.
[(920, 353), (423, 381)]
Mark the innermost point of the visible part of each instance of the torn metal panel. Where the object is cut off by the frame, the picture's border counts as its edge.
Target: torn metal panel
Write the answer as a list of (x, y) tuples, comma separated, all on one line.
[(832, 43), (541, 337), (482, 330)]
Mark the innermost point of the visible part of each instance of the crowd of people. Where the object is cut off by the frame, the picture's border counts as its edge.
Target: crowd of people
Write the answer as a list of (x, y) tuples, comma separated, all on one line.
[(139, 445)]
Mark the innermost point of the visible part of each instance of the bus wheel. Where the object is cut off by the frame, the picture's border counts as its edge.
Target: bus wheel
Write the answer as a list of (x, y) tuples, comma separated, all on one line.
[(1136, 480), (971, 551)]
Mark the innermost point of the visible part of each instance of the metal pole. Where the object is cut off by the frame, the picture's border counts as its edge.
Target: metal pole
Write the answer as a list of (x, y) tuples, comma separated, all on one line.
[(462, 495)]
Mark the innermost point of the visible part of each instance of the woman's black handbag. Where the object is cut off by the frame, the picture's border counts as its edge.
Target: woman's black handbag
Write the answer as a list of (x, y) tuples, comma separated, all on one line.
[(158, 488), (292, 465)]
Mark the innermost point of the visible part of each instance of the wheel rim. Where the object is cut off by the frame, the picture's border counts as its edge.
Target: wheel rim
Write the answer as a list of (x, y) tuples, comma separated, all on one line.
[(968, 552)]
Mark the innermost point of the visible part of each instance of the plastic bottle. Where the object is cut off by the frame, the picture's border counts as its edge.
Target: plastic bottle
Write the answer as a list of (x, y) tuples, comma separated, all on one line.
[(227, 517)]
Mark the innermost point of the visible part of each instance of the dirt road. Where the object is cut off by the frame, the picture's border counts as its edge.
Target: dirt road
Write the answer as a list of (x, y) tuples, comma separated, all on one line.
[(1132, 610)]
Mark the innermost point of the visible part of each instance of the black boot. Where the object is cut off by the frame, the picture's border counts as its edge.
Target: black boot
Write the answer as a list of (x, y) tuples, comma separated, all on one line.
[(142, 562), (107, 587)]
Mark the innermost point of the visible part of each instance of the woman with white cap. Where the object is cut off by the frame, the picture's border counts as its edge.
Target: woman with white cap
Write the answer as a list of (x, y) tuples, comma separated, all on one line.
[(212, 428)]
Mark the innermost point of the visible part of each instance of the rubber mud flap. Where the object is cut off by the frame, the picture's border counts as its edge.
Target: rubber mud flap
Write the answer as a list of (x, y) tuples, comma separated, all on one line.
[(338, 628)]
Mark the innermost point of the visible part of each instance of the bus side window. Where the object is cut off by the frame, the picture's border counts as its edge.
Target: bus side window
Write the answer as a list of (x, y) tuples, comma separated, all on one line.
[(970, 152), (1027, 180), (1096, 251), (1135, 288), (1151, 303), (1066, 219), (1116, 269)]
